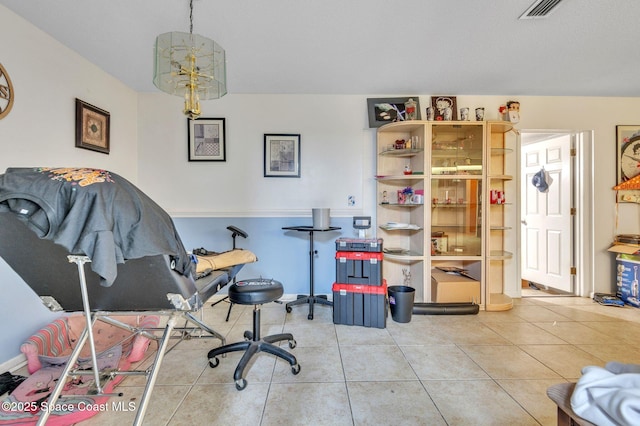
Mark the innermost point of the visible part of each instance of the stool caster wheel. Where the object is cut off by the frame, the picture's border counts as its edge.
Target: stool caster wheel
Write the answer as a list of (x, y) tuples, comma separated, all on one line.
[(288, 308), (241, 384), (248, 335), (213, 363), (295, 369), (292, 344)]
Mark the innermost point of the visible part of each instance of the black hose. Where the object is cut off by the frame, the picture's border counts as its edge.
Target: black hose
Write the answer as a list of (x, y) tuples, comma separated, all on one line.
[(445, 309)]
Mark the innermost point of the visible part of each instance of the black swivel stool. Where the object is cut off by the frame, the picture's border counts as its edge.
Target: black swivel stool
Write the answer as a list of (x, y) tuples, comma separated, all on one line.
[(255, 292)]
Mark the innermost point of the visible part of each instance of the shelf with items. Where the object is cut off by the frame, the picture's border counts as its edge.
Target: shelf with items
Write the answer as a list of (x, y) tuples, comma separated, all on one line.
[(457, 148), (393, 152), (400, 215), (500, 238)]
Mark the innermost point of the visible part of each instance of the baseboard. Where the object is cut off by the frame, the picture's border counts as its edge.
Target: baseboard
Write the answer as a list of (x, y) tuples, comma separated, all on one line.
[(14, 364)]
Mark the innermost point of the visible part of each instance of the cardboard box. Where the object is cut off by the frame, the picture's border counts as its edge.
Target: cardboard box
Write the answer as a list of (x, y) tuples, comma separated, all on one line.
[(453, 288), (627, 276), (624, 248)]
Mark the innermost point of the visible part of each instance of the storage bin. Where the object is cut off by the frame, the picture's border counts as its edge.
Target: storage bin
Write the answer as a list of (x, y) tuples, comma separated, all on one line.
[(364, 305), (354, 267)]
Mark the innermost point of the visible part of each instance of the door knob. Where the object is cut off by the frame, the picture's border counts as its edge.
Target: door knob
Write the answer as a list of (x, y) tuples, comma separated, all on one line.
[(524, 222)]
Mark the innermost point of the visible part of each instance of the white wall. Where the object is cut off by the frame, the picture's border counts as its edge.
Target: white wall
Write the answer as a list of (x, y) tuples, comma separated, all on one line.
[(337, 146), (334, 155), (40, 131)]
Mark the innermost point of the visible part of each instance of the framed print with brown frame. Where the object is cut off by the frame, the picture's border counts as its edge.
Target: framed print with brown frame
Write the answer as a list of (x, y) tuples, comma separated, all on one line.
[(92, 127)]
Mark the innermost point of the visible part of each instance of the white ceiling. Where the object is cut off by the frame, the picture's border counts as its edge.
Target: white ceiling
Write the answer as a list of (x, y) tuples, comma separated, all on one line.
[(381, 47)]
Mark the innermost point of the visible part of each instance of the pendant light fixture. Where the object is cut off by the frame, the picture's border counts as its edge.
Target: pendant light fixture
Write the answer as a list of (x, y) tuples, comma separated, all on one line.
[(190, 65)]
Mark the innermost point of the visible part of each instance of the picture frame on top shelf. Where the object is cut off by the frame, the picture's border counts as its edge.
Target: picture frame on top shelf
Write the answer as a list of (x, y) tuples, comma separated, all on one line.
[(627, 152), (282, 155), (207, 139), (388, 110), (92, 127), (445, 108)]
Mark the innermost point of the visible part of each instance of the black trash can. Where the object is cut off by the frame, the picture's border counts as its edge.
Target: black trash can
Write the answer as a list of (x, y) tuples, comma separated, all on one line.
[(401, 302)]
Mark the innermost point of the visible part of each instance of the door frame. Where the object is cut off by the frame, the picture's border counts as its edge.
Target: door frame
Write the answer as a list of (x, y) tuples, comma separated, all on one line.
[(583, 185)]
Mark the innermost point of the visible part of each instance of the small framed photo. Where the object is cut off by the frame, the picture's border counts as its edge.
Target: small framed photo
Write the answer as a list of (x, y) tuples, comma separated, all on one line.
[(445, 108), (439, 244), (281, 155), (92, 127), (387, 110), (207, 140), (627, 152)]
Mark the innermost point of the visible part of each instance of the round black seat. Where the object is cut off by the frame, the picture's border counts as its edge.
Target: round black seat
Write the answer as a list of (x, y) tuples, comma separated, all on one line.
[(255, 291)]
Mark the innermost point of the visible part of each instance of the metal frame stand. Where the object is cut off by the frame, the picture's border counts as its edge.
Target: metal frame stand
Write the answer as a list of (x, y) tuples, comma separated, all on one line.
[(102, 378)]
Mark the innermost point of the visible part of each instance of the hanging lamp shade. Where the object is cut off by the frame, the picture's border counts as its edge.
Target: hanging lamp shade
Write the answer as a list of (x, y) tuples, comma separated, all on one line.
[(192, 66)]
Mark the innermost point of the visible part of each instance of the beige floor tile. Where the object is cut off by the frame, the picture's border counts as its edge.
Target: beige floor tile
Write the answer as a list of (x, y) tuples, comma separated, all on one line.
[(442, 362), (566, 360), (392, 403), (524, 333), (622, 331), (474, 333), (311, 333), (576, 333), (476, 403), (375, 363), (508, 362), (355, 335), (531, 395), (628, 354), (419, 332), (317, 364), (307, 404), (537, 313), (222, 404), (578, 313), (502, 316)]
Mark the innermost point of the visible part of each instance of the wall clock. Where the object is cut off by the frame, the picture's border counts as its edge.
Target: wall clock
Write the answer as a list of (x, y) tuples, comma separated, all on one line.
[(630, 159), (6, 93)]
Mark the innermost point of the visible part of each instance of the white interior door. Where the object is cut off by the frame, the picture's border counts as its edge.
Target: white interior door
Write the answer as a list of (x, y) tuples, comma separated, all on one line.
[(547, 222)]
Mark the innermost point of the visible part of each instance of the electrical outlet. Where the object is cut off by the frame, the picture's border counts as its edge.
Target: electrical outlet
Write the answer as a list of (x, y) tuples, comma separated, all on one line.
[(351, 200)]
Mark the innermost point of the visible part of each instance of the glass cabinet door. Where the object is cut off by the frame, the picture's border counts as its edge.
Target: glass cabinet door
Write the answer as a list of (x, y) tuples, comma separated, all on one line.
[(456, 189), (456, 149), (456, 217)]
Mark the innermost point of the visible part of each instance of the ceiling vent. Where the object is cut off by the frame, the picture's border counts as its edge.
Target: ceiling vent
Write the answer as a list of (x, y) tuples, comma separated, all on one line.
[(540, 9)]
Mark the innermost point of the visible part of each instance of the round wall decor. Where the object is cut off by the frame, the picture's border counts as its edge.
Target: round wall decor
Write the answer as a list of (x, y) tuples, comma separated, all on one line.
[(6, 93)]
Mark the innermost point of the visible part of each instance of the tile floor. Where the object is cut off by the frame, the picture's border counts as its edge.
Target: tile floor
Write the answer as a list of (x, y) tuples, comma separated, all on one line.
[(487, 369)]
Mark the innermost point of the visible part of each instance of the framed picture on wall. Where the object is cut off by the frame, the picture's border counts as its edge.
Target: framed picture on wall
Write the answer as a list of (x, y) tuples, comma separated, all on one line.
[(444, 107), (281, 155), (92, 127), (627, 152), (207, 140), (387, 110)]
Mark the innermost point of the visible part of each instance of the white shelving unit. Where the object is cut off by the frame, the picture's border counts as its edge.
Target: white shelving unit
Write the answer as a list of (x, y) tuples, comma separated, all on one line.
[(451, 163)]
